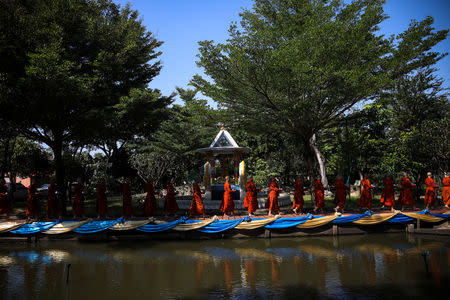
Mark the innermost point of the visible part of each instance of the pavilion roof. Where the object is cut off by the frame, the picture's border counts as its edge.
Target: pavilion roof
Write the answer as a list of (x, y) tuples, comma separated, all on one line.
[(223, 144)]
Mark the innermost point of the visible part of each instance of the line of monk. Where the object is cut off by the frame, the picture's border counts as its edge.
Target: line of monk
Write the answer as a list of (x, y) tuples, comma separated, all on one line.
[(340, 195), (388, 197), (251, 197), (405, 199), (170, 205), (227, 205), (272, 199), (33, 204), (53, 208), (197, 207), (319, 194), (365, 201), (150, 206), (78, 202), (5, 204), (298, 202)]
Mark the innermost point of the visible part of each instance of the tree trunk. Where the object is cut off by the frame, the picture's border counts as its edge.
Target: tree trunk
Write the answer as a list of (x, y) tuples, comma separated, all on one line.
[(310, 164), (5, 157), (320, 160), (59, 173)]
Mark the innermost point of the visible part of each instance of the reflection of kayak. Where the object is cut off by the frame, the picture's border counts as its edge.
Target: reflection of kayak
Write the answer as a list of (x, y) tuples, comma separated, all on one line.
[(375, 248), (58, 255), (317, 251), (429, 246), (253, 253), (194, 254)]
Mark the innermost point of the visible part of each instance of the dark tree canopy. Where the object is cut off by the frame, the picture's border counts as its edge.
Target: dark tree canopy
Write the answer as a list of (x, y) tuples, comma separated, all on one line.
[(65, 67)]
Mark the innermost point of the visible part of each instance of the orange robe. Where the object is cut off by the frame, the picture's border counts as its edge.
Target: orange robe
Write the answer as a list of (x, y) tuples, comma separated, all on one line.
[(406, 197), (319, 194), (33, 206), (127, 206), (227, 205), (387, 197), (340, 195), (430, 193), (272, 199), (170, 205), (298, 195), (197, 207), (366, 196), (53, 208), (78, 202), (251, 196), (446, 190), (5, 204), (150, 207), (102, 206)]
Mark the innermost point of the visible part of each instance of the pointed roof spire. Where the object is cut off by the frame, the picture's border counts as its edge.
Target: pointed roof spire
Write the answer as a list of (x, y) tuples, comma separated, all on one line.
[(223, 143)]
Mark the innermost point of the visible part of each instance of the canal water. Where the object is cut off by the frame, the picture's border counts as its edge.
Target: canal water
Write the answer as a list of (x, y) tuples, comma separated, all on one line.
[(394, 266)]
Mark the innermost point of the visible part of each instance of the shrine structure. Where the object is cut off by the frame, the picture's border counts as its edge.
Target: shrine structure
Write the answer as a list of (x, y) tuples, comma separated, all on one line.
[(224, 158)]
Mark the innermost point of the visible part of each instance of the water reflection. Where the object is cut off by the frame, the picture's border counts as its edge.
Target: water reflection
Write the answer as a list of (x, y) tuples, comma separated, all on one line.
[(346, 267)]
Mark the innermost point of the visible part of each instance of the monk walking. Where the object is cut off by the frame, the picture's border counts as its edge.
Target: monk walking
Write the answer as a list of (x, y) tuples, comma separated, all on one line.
[(365, 201), (170, 205), (197, 207), (150, 207), (251, 197), (297, 204), (127, 205), (102, 202), (32, 206), (388, 197), (446, 190), (272, 199), (53, 207), (406, 197), (319, 193), (78, 202), (227, 205), (430, 193), (5, 204), (341, 194)]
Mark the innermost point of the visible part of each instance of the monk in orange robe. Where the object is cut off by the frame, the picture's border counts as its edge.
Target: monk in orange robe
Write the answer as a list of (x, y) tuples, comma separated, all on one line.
[(365, 201), (297, 204), (127, 206), (5, 204), (406, 197), (446, 190), (341, 194), (387, 197), (33, 206), (150, 207), (197, 207), (53, 207), (78, 202), (251, 197), (430, 193), (319, 193), (227, 205), (272, 199), (170, 205), (102, 202)]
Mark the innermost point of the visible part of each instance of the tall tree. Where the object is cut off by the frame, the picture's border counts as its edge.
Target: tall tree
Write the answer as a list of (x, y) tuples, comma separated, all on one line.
[(296, 66), (65, 63)]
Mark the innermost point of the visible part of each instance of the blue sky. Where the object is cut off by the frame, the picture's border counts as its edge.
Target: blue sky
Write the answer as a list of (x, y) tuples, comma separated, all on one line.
[(180, 24)]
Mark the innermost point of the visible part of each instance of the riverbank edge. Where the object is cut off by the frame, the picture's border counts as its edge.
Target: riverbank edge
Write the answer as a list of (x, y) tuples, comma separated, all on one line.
[(414, 227)]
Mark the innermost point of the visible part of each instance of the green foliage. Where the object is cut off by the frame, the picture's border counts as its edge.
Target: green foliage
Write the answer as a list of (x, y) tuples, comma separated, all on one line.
[(172, 150)]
